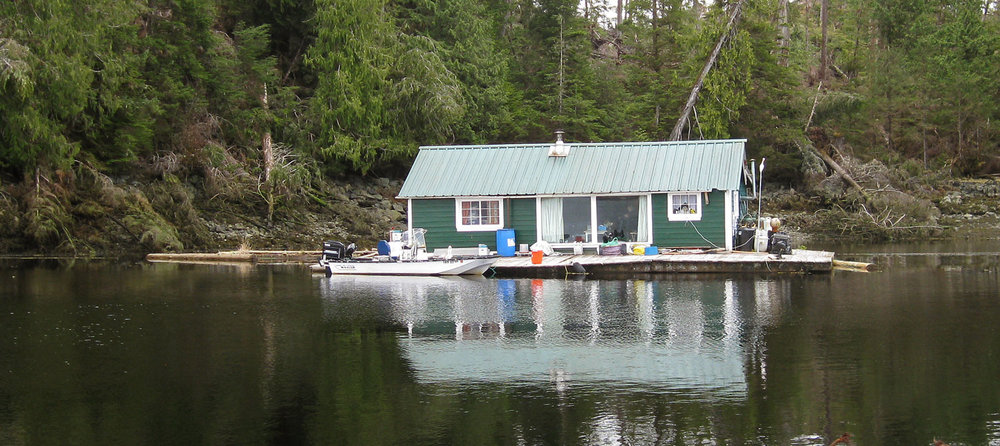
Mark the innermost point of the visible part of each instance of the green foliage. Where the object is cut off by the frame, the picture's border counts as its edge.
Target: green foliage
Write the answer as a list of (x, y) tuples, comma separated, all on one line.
[(352, 57), (425, 98), (462, 35), (928, 92), (176, 88), (45, 84), (560, 85), (726, 88), (15, 69), (894, 17), (47, 216), (244, 71)]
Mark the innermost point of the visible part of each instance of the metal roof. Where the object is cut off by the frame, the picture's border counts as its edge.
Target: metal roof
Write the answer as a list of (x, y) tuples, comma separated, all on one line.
[(590, 168)]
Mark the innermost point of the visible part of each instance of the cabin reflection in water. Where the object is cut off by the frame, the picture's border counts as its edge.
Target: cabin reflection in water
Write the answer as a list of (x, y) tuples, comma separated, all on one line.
[(693, 333)]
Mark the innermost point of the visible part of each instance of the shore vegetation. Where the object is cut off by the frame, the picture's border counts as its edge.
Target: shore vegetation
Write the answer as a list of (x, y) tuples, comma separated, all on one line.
[(168, 125)]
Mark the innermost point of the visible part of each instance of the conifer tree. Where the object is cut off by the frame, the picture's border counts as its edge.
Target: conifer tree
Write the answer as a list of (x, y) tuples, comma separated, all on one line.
[(351, 59)]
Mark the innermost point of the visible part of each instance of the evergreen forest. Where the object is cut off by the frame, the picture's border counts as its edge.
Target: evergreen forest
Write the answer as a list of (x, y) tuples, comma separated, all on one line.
[(153, 116)]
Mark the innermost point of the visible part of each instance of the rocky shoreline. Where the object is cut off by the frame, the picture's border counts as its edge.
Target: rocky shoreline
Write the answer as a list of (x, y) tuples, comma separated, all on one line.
[(122, 218), (958, 209), (168, 216)]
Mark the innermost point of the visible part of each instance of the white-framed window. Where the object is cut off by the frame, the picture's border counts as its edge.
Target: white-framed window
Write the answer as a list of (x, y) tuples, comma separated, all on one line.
[(478, 214), (685, 206), (592, 219)]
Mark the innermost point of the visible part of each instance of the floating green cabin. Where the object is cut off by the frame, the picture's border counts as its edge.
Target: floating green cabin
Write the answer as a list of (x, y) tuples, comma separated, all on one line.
[(679, 194)]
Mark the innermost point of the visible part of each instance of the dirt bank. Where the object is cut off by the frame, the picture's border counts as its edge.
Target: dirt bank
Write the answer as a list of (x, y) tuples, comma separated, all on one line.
[(96, 215)]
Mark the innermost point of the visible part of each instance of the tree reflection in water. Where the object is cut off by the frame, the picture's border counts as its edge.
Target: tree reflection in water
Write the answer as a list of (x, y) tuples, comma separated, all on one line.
[(105, 353)]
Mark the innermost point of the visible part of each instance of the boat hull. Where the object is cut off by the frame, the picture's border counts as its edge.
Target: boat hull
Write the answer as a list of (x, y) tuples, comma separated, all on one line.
[(453, 267)]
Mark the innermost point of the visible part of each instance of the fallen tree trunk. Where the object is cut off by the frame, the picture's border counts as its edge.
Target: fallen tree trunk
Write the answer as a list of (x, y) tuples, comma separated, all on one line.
[(675, 135), (813, 111), (842, 172), (836, 168)]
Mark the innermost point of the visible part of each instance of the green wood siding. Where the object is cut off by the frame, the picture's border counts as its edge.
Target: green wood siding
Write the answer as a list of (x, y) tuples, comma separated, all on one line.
[(522, 220), (685, 234), (437, 216)]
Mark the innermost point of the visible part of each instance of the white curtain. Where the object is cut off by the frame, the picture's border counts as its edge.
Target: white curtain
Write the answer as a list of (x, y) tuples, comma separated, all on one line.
[(643, 228), (552, 220)]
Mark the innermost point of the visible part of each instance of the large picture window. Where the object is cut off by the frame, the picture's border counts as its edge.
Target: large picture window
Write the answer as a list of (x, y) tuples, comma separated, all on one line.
[(568, 219), (478, 214), (621, 218), (684, 207)]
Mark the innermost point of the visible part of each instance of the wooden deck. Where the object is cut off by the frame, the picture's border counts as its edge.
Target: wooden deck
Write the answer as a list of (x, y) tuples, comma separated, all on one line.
[(800, 261)]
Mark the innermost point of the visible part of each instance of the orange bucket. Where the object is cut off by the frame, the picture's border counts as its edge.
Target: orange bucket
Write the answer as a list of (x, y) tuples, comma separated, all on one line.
[(536, 257)]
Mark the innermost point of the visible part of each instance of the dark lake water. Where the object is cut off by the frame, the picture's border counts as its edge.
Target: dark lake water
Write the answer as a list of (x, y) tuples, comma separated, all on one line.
[(97, 353)]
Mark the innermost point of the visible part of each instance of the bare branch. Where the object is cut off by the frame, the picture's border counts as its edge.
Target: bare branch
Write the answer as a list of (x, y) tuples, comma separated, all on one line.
[(675, 134)]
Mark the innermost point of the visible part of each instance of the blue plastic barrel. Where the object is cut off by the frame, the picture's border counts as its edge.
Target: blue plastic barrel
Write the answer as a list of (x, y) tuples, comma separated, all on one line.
[(506, 246)]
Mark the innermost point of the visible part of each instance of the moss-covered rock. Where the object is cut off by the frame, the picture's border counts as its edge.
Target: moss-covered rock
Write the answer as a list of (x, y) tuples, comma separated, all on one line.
[(10, 222), (47, 218), (174, 201), (157, 233), (161, 239)]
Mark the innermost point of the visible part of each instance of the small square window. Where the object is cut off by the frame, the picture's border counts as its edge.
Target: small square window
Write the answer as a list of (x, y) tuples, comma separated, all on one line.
[(684, 207), (478, 214)]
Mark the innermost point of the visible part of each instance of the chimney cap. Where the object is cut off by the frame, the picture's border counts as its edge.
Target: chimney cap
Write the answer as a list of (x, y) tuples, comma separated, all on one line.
[(560, 148)]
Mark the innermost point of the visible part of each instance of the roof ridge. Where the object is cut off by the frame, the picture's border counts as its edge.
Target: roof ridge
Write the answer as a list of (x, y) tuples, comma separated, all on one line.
[(582, 144)]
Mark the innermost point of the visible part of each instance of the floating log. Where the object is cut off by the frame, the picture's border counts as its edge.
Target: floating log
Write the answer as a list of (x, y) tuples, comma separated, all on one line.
[(248, 256), (236, 256), (199, 257), (853, 266)]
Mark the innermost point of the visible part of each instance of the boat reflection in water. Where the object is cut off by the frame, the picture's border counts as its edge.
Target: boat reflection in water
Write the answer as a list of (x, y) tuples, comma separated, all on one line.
[(695, 335)]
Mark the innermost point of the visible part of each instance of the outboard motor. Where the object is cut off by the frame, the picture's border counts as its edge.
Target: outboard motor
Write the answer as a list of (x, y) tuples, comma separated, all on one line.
[(333, 251), (781, 244)]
